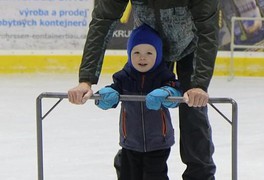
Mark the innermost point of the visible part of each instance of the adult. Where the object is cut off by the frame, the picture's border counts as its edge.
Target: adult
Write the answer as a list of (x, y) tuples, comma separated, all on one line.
[(189, 31)]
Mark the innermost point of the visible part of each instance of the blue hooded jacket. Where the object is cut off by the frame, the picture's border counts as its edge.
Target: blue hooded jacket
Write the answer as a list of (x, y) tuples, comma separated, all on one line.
[(141, 129)]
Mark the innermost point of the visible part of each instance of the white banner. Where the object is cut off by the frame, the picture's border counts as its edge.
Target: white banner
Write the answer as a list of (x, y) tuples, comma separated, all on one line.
[(44, 24)]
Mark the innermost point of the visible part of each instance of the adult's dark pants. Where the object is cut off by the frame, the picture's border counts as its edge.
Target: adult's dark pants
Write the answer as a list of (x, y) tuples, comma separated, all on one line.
[(196, 146)]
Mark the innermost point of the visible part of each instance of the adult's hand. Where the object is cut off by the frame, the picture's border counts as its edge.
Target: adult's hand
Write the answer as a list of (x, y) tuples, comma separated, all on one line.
[(196, 97), (81, 93)]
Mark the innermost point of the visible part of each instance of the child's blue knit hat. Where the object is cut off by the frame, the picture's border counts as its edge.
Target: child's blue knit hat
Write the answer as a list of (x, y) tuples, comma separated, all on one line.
[(144, 34)]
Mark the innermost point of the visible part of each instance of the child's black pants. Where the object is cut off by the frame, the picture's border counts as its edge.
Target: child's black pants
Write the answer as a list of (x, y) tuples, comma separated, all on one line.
[(144, 165)]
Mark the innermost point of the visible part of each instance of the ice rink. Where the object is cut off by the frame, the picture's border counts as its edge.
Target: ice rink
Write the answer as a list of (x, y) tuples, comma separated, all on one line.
[(80, 141)]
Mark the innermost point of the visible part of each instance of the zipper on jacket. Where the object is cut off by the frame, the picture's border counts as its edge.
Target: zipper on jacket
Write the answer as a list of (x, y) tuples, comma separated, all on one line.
[(142, 117), (143, 126), (142, 81)]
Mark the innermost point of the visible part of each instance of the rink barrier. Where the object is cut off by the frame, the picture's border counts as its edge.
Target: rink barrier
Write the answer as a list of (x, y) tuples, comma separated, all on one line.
[(246, 63), (60, 96)]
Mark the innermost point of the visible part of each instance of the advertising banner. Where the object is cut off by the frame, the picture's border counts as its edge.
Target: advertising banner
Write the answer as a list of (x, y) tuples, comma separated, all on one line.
[(44, 24), (121, 34), (246, 32), (35, 25)]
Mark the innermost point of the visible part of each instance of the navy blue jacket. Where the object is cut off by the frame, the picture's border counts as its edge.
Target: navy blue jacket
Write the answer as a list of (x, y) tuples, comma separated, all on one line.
[(142, 129)]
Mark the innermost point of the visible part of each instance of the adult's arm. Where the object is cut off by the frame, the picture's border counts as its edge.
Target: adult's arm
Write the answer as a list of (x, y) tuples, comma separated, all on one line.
[(105, 16), (205, 16)]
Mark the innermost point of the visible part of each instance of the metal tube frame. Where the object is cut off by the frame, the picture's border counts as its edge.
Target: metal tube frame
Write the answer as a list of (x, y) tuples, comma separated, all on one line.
[(61, 96)]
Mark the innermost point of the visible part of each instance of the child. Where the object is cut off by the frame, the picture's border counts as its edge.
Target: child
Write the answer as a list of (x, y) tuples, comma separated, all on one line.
[(146, 131)]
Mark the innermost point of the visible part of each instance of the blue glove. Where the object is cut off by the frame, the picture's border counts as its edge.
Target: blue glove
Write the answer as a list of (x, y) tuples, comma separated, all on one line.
[(157, 97), (175, 93), (109, 98)]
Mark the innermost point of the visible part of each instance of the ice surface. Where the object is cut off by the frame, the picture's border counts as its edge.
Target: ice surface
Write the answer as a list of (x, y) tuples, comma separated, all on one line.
[(80, 141)]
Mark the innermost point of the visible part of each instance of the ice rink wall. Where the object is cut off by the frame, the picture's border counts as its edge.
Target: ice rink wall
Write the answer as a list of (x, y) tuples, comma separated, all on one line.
[(48, 36), (245, 64)]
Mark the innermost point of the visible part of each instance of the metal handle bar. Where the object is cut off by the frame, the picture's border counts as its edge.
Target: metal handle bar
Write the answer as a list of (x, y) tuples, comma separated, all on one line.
[(61, 96), (133, 97)]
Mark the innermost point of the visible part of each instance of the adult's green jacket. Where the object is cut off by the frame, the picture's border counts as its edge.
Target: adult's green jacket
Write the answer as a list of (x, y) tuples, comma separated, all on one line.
[(186, 26)]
